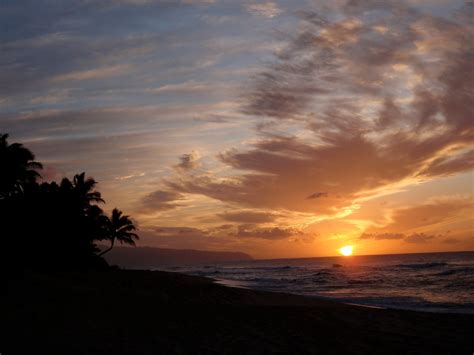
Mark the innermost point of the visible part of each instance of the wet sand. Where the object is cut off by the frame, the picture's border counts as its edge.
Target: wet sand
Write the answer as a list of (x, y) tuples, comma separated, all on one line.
[(145, 312)]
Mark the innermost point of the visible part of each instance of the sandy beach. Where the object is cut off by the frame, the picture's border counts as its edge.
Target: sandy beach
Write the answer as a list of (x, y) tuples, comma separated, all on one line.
[(145, 312)]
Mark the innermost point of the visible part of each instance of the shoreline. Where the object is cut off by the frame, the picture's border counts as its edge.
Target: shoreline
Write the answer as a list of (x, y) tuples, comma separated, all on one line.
[(148, 312), (433, 310)]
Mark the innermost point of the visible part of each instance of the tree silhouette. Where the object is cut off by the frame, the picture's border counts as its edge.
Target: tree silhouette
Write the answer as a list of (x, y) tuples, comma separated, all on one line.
[(119, 228), (85, 190), (18, 167), (79, 218), (53, 226)]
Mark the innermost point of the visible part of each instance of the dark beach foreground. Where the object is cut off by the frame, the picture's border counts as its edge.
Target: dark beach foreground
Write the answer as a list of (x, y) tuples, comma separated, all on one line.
[(145, 312)]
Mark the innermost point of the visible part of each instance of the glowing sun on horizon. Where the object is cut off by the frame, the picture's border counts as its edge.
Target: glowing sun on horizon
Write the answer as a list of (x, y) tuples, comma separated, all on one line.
[(346, 250)]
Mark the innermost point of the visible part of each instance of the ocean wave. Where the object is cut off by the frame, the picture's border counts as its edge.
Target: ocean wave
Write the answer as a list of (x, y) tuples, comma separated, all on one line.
[(258, 268), (326, 271), (464, 270), (422, 265)]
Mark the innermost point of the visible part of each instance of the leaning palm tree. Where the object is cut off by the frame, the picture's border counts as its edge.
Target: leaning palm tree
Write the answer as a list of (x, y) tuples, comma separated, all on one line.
[(119, 228), (17, 167)]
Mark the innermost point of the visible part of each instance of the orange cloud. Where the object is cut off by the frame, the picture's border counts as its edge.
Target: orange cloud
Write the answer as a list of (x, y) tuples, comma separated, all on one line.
[(424, 222)]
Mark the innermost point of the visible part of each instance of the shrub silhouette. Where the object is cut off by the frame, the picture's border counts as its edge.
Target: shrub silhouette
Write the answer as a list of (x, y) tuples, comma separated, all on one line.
[(50, 225)]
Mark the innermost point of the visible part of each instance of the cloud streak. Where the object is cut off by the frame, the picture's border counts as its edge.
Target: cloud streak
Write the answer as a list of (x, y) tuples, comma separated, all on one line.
[(423, 222), (267, 9), (249, 217), (162, 200)]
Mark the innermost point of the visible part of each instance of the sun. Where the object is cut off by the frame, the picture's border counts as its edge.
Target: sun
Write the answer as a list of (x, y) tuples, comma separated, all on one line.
[(346, 250)]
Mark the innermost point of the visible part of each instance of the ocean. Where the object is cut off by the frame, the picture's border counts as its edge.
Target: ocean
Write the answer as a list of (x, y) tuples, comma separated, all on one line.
[(435, 282)]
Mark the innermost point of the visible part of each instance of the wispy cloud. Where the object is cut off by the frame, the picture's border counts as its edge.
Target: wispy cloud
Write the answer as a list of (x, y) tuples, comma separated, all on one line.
[(162, 200), (267, 9), (186, 86), (250, 231), (416, 223), (411, 238), (96, 73), (247, 217)]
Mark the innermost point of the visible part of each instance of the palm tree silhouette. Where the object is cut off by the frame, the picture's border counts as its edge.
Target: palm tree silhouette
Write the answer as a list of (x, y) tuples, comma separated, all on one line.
[(80, 221), (68, 212), (84, 190), (119, 227), (18, 167)]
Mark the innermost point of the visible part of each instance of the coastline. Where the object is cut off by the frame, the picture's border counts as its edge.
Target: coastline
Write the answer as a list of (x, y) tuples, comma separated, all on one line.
[(145, 312), (242, 285), (432, 283)]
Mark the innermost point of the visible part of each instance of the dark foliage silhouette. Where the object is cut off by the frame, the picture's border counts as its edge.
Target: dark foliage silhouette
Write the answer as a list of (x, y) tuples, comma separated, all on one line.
[(119, 228), (18, 167), (50, 225)]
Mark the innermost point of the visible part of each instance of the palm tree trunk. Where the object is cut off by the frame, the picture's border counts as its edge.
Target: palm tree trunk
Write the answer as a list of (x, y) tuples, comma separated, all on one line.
[(108, 249)]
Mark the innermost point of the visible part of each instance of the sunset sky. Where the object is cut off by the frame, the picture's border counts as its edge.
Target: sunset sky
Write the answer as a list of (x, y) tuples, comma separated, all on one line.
[(276, 128)]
